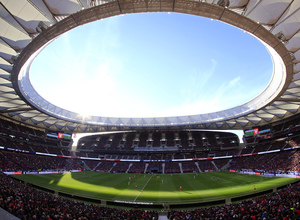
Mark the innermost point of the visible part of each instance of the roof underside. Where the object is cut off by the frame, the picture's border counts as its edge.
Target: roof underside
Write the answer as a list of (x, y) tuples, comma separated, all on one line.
[(22, 21)]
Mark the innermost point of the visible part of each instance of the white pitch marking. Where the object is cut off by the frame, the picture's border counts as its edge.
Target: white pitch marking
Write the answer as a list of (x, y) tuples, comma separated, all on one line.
[(142, 189)]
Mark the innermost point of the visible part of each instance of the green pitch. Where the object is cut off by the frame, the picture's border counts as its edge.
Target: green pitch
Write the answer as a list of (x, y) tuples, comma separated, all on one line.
[(157, 188)]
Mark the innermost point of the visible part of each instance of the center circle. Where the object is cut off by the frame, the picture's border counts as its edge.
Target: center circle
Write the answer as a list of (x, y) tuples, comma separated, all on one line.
[(152, 65)]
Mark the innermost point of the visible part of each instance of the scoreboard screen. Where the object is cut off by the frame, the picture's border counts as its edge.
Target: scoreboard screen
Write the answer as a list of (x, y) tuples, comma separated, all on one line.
[(60, 135)]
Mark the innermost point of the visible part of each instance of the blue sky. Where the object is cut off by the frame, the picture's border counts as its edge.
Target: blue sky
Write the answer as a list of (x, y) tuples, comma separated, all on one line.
[(152, 65)]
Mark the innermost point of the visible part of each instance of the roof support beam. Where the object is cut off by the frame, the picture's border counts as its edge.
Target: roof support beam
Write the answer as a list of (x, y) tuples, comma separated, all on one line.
[(119, 6), (288, 100), (17, 110)]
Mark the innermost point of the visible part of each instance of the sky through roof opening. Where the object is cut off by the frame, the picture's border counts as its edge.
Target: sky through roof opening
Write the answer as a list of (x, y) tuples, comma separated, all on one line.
[(152, 65)]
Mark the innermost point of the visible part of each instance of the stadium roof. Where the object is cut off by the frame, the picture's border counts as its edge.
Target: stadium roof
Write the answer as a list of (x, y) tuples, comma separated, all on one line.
[(28, 25)]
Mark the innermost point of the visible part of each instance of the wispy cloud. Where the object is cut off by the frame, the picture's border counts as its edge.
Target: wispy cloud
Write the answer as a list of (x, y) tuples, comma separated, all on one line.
[(199, 80), (201, 98), (235, 81)]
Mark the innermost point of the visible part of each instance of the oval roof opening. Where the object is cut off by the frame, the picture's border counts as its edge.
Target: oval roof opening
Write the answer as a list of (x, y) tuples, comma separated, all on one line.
[(152, 65)]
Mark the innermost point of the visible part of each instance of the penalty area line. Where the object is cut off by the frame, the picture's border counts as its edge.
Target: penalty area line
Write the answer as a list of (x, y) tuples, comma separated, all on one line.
[(142, 189)]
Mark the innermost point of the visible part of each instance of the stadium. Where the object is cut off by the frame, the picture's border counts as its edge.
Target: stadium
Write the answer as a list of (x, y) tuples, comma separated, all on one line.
[(59, 164)]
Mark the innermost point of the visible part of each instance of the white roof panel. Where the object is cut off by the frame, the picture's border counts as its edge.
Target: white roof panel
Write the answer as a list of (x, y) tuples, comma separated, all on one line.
[(65, 7), (267, 11)]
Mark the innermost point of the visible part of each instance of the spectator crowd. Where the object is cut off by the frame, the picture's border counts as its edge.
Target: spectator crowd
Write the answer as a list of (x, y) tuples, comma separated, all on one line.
[(281, 205), (28, 203)]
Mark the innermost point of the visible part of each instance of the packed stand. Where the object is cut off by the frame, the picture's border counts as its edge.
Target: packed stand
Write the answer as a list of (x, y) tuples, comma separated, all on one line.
[(26, 202), (283, 204), (12, 161), (283, 162)]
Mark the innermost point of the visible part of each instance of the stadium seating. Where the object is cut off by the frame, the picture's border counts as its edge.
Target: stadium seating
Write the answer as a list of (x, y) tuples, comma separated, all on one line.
[(283, 204), (26, 202), (148, 152)]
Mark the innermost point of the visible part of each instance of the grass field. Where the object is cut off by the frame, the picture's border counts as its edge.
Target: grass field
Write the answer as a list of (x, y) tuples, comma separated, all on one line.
[(157, 188)]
